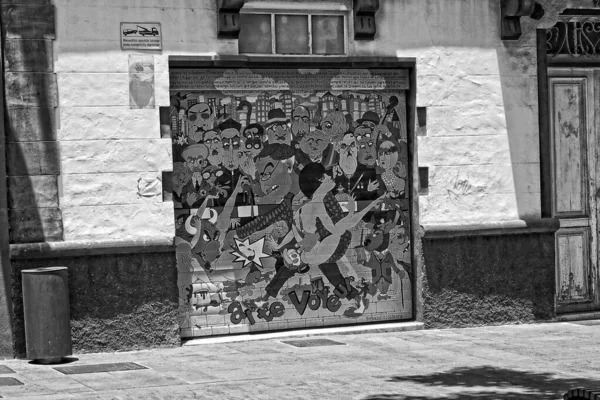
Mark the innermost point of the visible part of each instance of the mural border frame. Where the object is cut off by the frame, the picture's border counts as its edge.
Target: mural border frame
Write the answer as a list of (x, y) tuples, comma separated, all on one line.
[(408, 63)]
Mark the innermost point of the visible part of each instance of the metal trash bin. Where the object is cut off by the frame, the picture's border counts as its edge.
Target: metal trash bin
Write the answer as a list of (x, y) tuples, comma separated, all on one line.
[(47, 316)]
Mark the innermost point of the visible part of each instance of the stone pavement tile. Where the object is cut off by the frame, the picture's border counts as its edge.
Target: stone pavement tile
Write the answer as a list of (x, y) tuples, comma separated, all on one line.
[(64, 385), (34, 375), (146, 378), (102, 381), (24, 391), (57, 396)]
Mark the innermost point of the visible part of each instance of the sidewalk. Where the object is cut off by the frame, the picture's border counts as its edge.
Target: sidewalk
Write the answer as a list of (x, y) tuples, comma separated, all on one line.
[(504, 362)]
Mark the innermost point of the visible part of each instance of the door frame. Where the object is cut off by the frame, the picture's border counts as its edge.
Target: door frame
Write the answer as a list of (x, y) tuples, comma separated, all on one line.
[(584, 223)]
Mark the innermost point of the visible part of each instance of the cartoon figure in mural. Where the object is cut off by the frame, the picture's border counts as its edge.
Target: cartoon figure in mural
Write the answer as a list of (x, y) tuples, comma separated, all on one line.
[(209, 235), (230, 134), (300, 122), (212, 140), (201, 119), (196, 158), (377, 256), (335, 126), (319, 180), (277, 128), (394, 173), (313, 144), (274, 173), (349, 178), (320, 234)]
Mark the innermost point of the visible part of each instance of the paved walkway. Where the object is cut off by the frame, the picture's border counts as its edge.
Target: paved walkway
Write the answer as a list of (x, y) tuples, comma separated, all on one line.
[(504, 362)]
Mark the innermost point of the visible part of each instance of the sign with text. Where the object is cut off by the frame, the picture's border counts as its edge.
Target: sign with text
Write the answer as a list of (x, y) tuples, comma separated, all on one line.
[(141, 36)]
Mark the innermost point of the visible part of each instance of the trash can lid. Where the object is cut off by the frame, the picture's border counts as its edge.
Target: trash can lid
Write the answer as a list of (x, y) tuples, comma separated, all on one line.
[(42, 270)]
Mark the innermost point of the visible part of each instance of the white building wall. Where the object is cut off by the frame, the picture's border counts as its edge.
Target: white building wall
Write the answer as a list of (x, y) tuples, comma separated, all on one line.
[(481, 97)]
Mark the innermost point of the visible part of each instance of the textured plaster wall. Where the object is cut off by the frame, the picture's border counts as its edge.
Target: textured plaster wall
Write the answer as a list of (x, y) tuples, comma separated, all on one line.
[(485, 280), (117, 302), (481, 97), (482, 137)]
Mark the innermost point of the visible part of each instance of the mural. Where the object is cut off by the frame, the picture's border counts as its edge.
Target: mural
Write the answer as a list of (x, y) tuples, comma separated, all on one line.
[(291, 198)]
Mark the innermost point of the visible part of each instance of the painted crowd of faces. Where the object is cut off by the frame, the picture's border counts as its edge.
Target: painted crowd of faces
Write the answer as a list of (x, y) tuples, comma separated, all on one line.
[(274, 203)]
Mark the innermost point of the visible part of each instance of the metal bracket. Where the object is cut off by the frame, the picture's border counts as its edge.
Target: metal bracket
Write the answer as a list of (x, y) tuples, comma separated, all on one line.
[(228, 21), (364, 19), (511, 12)]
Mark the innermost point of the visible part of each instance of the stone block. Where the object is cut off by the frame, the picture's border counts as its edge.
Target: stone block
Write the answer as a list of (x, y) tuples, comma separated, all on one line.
[(259, 327), (100, 123), (466, 91), (296, 323), (36, 191), (31, 89), (107, 188), (30, 124), (471, 208), (239, 328), (115, 156), (278, 325), (32, 158), (34, 55), (32, 225), (213, 320), (464, 150), (484, 119), (93, 89), (28, 21), (471, 179), (220, 330), (126, 222)]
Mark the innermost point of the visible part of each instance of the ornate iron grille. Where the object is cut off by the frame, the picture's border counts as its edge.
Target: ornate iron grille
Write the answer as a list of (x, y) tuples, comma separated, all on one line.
[(575, 37)]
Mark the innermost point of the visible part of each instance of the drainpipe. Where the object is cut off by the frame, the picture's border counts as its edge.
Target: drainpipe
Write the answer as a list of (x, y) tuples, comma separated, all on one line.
[(6, 328)]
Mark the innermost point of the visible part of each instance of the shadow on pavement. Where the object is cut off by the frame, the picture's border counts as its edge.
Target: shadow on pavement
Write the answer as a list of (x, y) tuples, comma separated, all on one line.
[(486, 383)]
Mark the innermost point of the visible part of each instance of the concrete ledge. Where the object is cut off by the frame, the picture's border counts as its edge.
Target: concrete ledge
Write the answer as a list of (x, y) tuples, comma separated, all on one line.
[(78, 248), (580, 316), (513, 227), (317, 331), (274, 61)]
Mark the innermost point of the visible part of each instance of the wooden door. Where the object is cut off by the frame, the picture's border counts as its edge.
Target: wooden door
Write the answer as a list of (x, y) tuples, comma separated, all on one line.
[(573, 95)]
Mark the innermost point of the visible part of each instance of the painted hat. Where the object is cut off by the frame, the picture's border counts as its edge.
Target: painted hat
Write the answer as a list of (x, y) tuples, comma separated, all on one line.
[(276, 115), (369, 116), (230, 124)]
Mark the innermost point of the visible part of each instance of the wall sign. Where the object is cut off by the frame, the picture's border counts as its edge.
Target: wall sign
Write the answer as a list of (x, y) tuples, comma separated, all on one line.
[(141, 36)]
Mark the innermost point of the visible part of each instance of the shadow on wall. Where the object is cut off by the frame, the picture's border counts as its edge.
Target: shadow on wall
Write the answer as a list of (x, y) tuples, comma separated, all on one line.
[(487, 383), (33, 163)]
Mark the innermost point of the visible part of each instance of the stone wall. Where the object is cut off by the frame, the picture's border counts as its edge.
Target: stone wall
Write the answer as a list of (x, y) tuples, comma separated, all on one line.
[(481, 143), (118, 302), (485, 280), (30, 90)]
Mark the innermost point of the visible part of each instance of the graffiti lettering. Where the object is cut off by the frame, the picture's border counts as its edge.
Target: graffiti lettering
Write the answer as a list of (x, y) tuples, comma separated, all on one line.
[(238, 313), (318, 299)]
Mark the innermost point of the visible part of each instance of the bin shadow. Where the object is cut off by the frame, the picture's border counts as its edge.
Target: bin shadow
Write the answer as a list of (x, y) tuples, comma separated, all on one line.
[(487, 383), (65, 360)]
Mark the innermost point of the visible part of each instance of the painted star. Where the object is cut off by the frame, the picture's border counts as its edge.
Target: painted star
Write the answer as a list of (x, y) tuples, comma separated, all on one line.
[(250, 253)]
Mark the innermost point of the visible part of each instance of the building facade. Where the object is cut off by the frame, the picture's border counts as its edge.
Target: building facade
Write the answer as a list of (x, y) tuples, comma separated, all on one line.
[(222, 167)]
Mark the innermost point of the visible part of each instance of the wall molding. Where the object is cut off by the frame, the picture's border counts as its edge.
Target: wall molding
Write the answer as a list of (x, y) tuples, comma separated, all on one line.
[(78, 248), (491, 228)]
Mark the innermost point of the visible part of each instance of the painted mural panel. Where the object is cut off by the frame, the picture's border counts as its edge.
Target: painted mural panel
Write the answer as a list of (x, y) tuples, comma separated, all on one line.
[(291, 198)]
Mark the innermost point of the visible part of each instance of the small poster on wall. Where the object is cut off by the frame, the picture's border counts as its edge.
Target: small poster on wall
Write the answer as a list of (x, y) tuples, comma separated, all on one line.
[(141, 36)]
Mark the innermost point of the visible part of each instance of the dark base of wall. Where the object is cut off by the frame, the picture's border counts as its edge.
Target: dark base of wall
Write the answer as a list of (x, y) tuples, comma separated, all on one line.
[(118, 302), (486, 280)]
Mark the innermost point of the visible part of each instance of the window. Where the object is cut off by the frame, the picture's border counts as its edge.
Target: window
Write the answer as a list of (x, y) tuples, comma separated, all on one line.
[(293, 30)]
